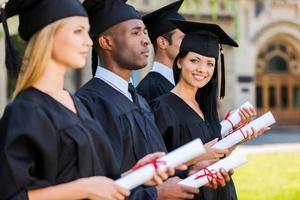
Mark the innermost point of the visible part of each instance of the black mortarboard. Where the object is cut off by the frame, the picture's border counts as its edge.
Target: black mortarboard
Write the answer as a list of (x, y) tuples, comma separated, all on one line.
[(157, 22), (103, 14), (33, 16), (205, 39)]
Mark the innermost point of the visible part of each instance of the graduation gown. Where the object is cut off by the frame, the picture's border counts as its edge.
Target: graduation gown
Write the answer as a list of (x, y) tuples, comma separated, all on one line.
[(131, 129), (43, 143), (154, 85), (180, 124)]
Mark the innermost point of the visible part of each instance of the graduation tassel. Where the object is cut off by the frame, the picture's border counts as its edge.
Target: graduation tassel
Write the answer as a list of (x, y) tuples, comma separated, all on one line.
[(94, 61), (222, 90), (11, 55)]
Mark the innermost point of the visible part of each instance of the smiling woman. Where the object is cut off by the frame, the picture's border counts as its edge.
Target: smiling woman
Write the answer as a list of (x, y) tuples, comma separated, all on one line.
[(196, 70), (189, 111)]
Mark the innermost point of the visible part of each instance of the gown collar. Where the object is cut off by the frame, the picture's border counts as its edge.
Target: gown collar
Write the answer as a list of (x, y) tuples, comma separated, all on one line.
[(114, 80), (165, 71)]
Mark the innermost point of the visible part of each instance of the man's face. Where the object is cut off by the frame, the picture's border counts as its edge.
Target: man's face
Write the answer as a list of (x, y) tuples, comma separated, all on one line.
[(130, 44), (173, 47)]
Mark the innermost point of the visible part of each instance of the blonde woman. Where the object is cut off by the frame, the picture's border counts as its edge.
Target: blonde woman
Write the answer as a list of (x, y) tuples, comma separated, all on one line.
[(50, 148)]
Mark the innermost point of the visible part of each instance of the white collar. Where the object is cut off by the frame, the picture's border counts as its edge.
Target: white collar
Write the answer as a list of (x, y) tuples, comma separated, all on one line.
[(165, 71), (113, 80)]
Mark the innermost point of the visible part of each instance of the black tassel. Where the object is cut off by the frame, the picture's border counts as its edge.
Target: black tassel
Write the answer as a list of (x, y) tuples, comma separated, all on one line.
[(94, 61), (12, 60), (222, 90)]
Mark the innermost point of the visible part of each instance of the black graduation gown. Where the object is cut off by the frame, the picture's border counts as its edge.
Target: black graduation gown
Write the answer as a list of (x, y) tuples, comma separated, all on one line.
[(154, 85), (132, 130), (43, 143), (179, 124)]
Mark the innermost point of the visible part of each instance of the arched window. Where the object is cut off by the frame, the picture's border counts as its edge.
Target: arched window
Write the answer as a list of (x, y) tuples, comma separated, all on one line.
[(277, 64), (277, 57)]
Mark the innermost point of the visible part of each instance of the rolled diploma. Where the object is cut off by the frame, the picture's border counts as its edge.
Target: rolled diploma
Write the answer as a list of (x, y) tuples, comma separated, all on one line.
[(234, 138), (180, 155), (235, 118), (230, 162)]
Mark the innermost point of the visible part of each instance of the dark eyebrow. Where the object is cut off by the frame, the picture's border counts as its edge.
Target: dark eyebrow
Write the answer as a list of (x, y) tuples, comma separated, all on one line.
[(197, 57), (210, 60)]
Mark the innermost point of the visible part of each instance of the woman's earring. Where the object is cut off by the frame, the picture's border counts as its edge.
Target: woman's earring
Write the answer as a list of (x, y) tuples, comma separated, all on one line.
[(179, 66)]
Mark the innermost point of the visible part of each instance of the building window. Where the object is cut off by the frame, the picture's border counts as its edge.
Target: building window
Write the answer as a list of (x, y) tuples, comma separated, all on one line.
[(284, 96), (296, 95), (272, 97), (271, 48), (259, 7), (277, 64), (277, 57), (259, 97)]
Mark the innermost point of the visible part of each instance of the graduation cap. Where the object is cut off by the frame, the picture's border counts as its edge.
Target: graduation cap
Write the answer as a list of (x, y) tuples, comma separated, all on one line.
[(33, 16), (103, 14), (205, 39), (157, 22)]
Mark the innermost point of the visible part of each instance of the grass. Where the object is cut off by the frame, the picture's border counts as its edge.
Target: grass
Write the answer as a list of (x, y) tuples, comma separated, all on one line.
[(272, 176)]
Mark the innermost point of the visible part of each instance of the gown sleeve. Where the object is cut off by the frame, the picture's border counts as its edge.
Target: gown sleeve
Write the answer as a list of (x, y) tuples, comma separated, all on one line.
[(104, 115), (28, 151)]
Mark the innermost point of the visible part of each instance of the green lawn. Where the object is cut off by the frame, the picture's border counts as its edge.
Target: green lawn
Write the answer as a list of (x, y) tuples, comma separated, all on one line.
[(273, 176)]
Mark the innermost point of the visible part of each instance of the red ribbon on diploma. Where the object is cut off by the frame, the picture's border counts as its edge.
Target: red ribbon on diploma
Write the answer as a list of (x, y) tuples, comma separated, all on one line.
[(227, 119), (155, 164), (239, 128), (210, 175)]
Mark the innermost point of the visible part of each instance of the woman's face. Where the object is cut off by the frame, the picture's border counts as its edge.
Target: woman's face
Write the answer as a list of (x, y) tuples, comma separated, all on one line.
[(72, 42), (196, 70)]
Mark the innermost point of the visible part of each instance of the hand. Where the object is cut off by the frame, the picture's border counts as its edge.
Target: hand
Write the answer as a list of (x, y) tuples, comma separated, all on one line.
[(102, 188), (211, 154), (200, 165), (170, 190), (223, 177), (214, 154), (160, 176), (231, 149), (246, 115), (253, 134)]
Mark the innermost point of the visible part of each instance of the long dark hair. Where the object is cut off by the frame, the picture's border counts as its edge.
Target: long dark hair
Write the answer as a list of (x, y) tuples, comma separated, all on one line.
[(206, 96)]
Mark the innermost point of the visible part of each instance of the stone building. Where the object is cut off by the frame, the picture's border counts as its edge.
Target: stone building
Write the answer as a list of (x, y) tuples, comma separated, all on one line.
[(264, 70)]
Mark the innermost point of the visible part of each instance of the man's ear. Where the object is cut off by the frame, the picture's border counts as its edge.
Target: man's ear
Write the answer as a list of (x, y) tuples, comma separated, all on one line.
[(105, 42), (161, 42)]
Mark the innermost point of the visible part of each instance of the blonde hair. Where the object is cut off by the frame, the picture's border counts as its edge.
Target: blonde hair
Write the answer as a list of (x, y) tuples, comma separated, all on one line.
[(36, 57)]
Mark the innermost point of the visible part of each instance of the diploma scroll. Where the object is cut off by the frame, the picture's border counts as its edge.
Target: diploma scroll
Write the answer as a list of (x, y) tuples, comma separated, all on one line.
[(145, 173), (239, 135), (232, 120), (204, 176)]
